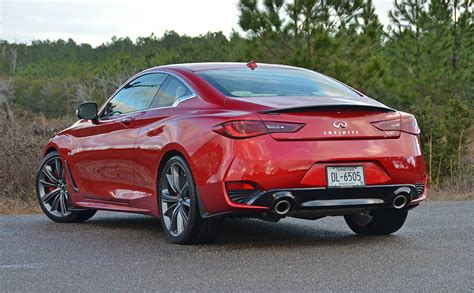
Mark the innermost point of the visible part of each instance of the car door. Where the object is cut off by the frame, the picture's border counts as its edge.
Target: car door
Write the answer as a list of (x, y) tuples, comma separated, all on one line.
[(103, 163), (157, 131)]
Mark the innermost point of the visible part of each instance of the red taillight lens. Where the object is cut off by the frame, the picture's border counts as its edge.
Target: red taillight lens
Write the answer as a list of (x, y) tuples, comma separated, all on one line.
[(410, 125), (392, 127), (389, 125), (251, 128), (239, 185), (241, 128)]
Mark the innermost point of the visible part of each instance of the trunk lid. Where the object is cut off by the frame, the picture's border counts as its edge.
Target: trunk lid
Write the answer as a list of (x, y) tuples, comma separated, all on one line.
[(335, 122)]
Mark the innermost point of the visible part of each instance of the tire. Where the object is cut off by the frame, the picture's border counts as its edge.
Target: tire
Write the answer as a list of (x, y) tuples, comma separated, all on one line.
[(382, 221), (52, 192), (179, 206)]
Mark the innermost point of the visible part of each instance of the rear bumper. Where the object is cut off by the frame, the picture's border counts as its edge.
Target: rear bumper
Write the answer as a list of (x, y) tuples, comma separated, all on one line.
[(315, 203), (321, 197)]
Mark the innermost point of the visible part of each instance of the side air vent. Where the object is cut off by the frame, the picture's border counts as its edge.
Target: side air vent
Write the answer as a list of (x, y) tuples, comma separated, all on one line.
[(420, 188), (69, 173), (241, 196)]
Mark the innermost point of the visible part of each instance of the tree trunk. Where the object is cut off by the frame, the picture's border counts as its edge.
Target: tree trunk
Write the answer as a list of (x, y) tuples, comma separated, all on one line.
[(13, 61)]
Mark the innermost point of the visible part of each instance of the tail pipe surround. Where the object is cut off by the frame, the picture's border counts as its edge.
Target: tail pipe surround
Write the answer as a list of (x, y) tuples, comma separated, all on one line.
[(402, 198), (283, 202)]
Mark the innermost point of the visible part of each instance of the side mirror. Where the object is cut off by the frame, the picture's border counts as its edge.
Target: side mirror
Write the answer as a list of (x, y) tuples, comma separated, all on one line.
[(87, 110)]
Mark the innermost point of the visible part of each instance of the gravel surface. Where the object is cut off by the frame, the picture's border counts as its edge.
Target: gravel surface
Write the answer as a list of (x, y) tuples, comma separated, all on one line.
[(124, 252)]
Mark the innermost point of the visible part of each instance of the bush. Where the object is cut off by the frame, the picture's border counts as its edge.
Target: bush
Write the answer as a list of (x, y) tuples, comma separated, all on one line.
[(446, 133), (23, 139)]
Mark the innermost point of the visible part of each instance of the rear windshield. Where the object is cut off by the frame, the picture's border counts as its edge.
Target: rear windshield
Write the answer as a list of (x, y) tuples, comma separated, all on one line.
[(268, 82)]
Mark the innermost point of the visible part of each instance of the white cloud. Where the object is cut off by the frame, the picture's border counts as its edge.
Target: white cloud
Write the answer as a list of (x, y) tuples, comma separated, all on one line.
[(383, 7)]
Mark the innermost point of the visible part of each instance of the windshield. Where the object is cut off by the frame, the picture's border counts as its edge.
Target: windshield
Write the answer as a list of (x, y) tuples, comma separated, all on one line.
[(268, 82)]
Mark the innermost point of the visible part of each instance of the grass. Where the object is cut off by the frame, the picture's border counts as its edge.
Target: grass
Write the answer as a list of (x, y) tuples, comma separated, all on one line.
[(16, 206), (434, 195)]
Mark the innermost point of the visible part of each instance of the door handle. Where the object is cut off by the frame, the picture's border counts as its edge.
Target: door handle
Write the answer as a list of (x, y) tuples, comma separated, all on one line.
[(127, 121)]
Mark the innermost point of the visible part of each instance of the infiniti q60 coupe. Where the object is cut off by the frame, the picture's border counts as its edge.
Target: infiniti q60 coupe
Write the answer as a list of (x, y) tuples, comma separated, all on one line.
[(194, 143)]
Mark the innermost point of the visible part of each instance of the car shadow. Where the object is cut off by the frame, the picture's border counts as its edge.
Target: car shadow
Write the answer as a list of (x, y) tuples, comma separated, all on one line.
[(250, 232), (291, 233)]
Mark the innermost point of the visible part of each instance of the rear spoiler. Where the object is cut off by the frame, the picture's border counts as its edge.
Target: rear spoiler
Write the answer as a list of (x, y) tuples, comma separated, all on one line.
[(328, 108)]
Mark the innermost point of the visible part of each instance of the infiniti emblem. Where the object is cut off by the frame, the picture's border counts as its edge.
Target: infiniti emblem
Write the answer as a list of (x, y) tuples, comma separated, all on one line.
[(340, 124)]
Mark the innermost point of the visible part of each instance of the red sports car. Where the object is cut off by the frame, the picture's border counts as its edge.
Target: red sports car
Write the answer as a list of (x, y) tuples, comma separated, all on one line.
[(194, 143)]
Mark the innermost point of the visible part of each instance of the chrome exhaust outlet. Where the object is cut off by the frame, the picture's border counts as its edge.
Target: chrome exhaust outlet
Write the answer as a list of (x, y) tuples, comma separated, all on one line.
[(282, 203), (400, 201), (282, 207)]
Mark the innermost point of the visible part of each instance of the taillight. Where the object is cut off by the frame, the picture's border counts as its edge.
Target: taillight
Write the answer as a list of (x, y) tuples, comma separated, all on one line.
[(389, 125), (241, 128), (410, 125), (252, 128), (393, 127)]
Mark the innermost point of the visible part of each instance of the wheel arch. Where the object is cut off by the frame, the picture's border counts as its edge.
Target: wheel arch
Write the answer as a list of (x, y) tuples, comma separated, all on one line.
[(62, 144), (165, 158), (169, 152), (50, 149)]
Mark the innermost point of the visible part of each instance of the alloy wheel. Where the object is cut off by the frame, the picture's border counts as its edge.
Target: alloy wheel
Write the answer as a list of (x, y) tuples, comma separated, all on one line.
[(52, 187), (175, 199)]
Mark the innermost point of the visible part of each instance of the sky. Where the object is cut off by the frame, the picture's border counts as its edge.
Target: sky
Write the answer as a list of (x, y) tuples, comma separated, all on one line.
[(96, 22)]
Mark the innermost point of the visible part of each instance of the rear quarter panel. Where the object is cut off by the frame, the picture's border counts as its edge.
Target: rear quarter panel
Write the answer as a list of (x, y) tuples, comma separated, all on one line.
[(188, 131)]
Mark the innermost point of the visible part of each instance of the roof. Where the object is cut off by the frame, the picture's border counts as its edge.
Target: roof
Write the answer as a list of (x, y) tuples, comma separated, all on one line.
[(218, 65)]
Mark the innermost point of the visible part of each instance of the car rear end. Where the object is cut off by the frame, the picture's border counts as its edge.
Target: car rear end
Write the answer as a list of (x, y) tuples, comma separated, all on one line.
[(317, 155)]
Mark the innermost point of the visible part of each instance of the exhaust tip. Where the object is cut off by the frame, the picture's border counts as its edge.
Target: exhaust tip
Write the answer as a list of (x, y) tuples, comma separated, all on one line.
[(399, 202), (282, 207)]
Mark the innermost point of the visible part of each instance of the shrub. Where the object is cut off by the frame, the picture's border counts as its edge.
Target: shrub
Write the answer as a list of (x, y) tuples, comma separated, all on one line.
[(23, 139), (446, 133)]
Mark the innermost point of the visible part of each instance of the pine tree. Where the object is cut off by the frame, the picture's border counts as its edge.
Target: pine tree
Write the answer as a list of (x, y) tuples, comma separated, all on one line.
[(299, 32), (404, 51)]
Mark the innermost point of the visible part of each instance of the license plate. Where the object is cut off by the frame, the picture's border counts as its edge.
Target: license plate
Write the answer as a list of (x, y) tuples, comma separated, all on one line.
[(345, 176)]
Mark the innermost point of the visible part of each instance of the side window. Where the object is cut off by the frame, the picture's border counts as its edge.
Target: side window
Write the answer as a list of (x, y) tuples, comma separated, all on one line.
[(172, 90), (135, 96)]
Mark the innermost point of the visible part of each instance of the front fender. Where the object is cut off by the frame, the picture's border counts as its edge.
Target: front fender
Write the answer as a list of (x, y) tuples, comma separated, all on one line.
[(61, 143)]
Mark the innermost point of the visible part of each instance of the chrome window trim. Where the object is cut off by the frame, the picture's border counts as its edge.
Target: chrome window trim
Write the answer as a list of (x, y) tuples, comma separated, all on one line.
[(178, 101), (138, 75)]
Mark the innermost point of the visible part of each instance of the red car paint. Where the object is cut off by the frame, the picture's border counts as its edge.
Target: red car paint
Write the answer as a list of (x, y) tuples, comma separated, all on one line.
[(115, 163)]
